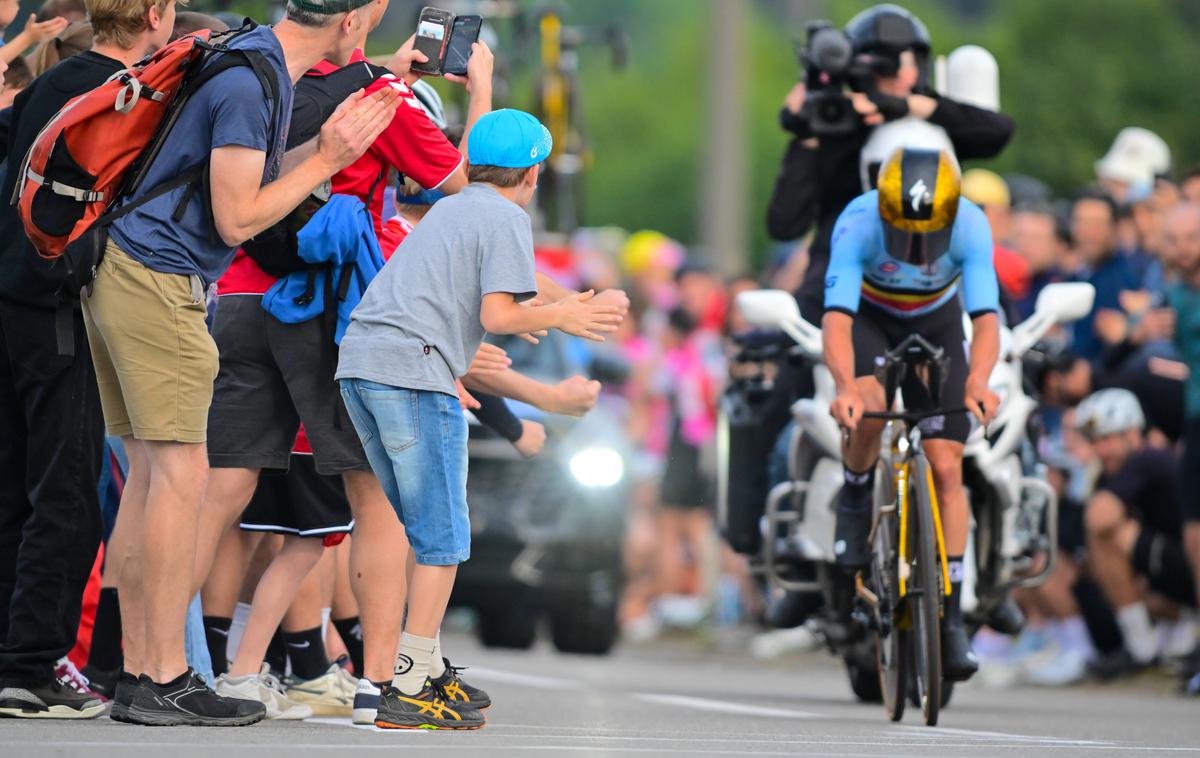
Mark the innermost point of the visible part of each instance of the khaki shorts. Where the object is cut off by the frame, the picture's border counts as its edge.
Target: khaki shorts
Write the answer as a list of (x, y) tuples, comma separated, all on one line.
[(155, 361)]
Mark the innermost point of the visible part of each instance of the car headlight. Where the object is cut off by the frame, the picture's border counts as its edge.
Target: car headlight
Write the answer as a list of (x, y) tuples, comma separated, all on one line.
[(598, 467)]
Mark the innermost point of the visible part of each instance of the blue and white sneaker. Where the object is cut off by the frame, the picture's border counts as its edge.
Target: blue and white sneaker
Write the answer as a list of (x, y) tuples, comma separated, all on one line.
[(366, 702)]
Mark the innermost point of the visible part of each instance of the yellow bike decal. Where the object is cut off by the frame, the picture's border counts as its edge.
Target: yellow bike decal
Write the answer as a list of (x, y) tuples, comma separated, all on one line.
[(937, 523), (902, 514)]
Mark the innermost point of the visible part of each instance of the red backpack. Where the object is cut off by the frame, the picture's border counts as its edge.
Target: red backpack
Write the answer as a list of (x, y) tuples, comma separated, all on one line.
[(100, 146)]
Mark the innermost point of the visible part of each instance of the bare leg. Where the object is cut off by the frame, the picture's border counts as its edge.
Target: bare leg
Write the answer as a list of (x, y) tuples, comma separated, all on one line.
[(1191, 542), (124, 557), (305, 610), (376, 570), (862, 449), (225, 497), (1105, 521), (219, 596), (431, 586), (276, 590), (177, 477), (945, 458)]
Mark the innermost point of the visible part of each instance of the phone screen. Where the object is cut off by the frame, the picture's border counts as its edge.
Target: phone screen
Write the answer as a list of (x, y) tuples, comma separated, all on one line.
[(458, 52), (431, 39)]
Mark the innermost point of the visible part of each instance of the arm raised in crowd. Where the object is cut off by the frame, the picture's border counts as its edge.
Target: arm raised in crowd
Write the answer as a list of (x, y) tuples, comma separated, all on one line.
[(975, 132), (242, 207), (502, 314)]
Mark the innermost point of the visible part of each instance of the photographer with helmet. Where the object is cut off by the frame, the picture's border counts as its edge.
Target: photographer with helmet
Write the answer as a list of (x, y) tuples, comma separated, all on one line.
[(883, 57)]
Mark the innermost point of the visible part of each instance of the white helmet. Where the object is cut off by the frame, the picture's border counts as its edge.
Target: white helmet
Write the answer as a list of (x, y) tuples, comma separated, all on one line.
[(1137, 156), (886, 139), (1109, 411), (430, 101)]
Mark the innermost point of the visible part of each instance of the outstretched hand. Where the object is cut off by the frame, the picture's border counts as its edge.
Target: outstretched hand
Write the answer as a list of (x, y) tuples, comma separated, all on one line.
[(354, 126), (582, 318)]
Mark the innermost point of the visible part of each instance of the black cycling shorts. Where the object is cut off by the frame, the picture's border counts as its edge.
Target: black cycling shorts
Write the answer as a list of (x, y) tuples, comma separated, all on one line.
[(1189, 472), (876, 332)]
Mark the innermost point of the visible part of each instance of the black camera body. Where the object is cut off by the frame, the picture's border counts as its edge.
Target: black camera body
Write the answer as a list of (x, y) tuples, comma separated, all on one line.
[(831, 66)]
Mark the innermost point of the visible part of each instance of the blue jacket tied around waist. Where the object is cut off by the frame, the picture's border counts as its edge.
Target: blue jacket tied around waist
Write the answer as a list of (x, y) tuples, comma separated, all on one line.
[(342, 236)]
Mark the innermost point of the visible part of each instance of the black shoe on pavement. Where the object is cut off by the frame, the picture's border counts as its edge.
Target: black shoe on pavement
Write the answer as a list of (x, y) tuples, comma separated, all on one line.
[(54, 699), (102, 682), (187, 701), (425, 710), (1006, 618), (1109, 666), (123, 692), (451, 688), (851, 533), (959, 662)]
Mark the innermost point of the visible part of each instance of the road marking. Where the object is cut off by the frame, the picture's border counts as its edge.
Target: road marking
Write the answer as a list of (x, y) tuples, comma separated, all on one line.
[(936, 730), (526, 680), (704, 704), (345, 721)]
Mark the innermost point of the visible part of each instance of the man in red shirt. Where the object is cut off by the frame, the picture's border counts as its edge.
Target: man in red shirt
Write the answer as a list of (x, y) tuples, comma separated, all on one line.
[(274, 376)]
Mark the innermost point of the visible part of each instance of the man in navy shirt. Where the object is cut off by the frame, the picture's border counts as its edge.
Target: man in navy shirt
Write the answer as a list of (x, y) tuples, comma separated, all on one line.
[(155, 361)]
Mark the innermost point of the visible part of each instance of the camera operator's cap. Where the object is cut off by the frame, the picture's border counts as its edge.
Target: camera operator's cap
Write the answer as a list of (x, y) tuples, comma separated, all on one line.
[(1137, 156), (918, 202), (328, 7), (1109, 411), (985, 188), (509, 139)]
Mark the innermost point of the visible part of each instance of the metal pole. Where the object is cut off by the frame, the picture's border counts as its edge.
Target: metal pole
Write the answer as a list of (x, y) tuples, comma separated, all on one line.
[(723, 202)]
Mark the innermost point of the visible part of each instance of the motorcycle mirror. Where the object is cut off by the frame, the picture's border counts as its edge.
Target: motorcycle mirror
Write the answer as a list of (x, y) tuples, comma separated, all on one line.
[(776, 309), (1066, 301)]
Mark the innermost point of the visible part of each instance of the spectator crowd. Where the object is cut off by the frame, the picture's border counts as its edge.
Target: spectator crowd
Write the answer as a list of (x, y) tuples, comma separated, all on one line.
[(232, 489)]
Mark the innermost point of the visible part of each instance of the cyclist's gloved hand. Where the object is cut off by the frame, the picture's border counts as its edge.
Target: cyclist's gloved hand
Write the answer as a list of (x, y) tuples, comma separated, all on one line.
[(847, 408), (980, 399)]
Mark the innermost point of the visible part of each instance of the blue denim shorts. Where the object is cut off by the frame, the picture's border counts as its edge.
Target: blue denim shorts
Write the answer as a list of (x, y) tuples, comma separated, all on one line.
[(416, 442)]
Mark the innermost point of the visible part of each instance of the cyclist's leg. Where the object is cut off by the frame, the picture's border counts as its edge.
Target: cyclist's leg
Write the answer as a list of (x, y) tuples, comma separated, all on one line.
[(861, 449)]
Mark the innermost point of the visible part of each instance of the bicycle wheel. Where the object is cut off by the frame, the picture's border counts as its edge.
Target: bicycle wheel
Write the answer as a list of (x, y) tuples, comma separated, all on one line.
[(925, 592), (891, 641)]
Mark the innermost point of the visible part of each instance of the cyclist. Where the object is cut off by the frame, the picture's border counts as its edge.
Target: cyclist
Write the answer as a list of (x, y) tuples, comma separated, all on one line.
[(901, 250)]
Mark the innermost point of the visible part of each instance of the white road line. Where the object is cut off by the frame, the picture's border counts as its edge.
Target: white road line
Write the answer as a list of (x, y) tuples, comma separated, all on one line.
[(933, 731), (704, 704), (525, 680), (345, 721)]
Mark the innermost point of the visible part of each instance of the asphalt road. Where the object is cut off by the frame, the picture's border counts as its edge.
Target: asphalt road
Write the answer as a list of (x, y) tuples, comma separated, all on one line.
[(680, 699)]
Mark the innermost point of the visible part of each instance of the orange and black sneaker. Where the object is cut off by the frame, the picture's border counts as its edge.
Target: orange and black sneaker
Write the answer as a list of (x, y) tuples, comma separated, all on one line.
[(424, 710), (451, 688)]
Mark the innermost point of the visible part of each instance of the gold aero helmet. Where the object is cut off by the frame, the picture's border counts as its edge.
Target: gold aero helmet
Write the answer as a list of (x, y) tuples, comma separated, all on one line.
[(918, 201)]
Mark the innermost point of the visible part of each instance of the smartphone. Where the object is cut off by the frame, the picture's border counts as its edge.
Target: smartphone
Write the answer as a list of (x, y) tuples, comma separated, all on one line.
[(463, 33), (432, 30)]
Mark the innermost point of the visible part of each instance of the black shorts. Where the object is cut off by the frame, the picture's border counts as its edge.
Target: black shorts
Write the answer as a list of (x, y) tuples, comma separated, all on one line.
[(1189, 472), (877, 332), (684, 483), (272, 377), (300, 502)]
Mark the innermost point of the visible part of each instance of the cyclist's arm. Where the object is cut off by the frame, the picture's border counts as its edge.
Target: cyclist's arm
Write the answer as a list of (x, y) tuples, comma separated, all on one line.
[(843, 288), (981, 292)]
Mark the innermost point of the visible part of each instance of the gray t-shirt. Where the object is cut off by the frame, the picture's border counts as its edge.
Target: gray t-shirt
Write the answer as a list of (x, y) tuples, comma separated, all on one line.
[(418, 326)]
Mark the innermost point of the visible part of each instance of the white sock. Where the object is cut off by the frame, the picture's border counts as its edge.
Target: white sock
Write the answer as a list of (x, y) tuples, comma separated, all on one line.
[(1141, 640), (326, 613), (412, 663), (437, 666)]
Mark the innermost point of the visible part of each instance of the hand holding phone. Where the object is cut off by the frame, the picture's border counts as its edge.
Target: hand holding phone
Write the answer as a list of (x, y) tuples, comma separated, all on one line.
[(463, 34), (433, 28)]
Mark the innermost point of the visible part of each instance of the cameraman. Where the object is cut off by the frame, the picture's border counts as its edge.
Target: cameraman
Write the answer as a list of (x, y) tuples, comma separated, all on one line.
[(820, 173)]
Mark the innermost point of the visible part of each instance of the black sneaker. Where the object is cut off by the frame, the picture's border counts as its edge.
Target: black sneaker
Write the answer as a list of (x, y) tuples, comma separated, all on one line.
[(1109, 666), (188, 701), (1006, 618), (959, 662), (425, 710), (127, 684), (55, 699), (102, 682), (851, 533), (451, 688)]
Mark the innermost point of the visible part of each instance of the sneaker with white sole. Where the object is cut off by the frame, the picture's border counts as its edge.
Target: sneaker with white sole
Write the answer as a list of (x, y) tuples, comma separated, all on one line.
[(55, 699), (326, 695), (366, 702), (266, 689)]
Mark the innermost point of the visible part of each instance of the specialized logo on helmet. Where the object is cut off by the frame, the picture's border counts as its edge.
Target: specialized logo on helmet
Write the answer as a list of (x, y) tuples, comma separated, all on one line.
[(920, 195)]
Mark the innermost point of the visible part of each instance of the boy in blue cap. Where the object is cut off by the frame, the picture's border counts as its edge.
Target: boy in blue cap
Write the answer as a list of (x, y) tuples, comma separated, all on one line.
[(465, 270)]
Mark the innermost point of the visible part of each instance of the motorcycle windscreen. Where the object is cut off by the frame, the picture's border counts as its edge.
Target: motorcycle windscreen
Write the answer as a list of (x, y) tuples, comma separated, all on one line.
[(916, 248)]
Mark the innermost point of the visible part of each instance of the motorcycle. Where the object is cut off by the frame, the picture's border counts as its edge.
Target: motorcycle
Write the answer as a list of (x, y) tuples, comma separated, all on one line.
[(1013, 537)]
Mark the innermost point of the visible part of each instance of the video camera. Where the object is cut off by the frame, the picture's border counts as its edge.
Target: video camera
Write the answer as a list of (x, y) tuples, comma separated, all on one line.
[(831, 65)]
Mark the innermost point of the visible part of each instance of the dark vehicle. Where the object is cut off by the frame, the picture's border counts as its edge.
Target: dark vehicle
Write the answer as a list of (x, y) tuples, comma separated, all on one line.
[(547, 533)]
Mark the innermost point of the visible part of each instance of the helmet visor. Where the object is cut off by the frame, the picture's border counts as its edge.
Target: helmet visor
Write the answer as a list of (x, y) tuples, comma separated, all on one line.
[(916, 248)]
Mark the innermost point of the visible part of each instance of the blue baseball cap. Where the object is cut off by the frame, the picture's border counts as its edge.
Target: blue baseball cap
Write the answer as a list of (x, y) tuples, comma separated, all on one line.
[(509, 139)]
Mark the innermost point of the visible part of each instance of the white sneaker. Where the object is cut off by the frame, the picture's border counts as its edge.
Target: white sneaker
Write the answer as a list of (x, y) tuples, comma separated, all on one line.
[(366, 702), (1066, 667), (326, 695), (266, 689)]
